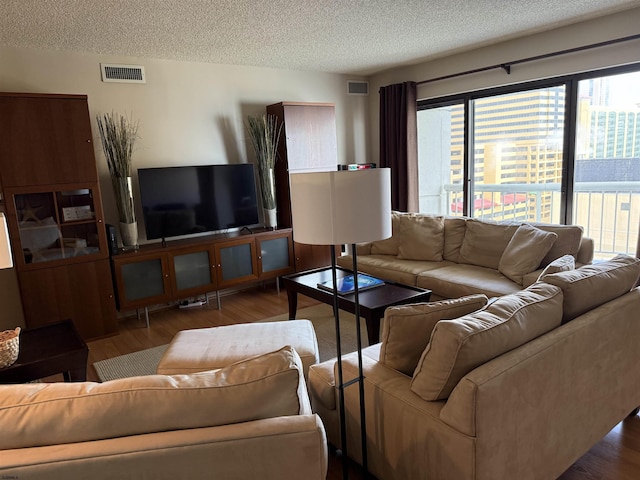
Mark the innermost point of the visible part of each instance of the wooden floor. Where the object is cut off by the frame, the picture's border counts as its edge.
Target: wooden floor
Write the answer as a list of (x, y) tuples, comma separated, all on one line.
[(616, 457)]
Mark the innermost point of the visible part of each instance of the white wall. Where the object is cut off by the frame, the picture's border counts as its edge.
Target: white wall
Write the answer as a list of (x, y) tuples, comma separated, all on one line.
[(614, 26), (189, 113)]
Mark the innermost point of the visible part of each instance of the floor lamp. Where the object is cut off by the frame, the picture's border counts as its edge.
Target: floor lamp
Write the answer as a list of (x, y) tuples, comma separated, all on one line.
[(336, 208)]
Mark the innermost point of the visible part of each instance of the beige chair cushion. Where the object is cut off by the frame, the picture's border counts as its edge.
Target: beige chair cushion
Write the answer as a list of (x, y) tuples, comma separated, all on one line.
[(454, 230), (562, 264), (407, 328), (592, 285), (567, 243), (458, 346), (389, 246), (484, 243), (39, 414), (525, 251), (421, 238)]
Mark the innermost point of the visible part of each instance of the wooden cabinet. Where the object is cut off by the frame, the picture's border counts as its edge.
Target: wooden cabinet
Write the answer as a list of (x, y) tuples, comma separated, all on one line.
[(45, 139), (54, 212), (308, 143), (186, 268), (80, 291)]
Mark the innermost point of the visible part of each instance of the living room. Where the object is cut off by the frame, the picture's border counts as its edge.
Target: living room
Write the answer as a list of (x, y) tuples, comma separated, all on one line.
[(191, 111)]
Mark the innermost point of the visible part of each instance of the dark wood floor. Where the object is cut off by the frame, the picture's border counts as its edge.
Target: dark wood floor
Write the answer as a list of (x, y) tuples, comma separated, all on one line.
[(616, 457)]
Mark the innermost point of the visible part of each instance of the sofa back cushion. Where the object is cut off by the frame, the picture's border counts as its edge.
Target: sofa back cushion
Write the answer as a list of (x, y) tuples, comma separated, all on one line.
[(406, 329), (589, 286), (39, 414), (484, 243), (525, 251), (454, 230), (421, 237), (389, 246), (567, 243), (458, 346)]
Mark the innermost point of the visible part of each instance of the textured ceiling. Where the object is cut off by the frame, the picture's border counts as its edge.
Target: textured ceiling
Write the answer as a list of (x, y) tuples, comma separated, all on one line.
[(340, 36)]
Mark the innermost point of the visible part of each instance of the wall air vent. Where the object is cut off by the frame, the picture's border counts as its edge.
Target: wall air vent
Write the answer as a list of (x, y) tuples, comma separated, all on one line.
[(357, 87), (113, 72)]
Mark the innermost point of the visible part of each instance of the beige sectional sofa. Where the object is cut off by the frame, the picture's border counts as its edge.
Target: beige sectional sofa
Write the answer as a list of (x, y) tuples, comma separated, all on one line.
[(456, 256), (251, 419), (516, 387)]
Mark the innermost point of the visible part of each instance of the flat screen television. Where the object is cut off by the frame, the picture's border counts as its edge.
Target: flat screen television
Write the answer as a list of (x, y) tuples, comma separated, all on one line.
[(180, 201)]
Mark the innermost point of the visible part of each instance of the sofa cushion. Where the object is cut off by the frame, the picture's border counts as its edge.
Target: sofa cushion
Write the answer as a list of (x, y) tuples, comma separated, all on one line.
[(567, 243), (454, 230), (421, 237), (562, 264), (484, 243), (458, 346), (407, 328), (458, 280), (592, 285), (39, 414), (389, 246), (525, 251)]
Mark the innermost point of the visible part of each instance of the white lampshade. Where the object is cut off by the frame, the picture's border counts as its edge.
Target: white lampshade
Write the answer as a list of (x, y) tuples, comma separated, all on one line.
[(333, 208), (5, 249)]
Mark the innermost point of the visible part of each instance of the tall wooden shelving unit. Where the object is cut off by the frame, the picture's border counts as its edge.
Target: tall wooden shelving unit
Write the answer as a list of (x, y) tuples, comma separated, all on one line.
[(54, 211), (308, 143)]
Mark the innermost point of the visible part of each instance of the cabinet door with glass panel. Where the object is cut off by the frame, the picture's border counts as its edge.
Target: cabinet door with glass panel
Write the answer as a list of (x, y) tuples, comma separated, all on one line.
[(275, 254), (56, 225), (193, 270)]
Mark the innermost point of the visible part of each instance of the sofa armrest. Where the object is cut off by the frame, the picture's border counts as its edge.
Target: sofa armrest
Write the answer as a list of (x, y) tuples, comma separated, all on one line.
[(585, 252), (273, 448)]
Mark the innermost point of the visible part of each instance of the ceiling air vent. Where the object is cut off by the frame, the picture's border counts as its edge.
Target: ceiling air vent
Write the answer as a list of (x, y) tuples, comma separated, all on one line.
[(357, 88), (113, 72)]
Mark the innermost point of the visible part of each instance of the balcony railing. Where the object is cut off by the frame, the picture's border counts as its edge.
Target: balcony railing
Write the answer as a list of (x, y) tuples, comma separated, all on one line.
[(609, 212)]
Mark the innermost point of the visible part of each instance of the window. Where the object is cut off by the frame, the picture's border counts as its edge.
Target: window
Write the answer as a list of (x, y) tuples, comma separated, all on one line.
[(564, 150)]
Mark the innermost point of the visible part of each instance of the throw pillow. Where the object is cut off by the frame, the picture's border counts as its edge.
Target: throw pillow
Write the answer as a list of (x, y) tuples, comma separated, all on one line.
[(458, 346), (590, 286), (525, 251), (562, 264), (266, 386), (421, 237), (389, 246), (567, 243), (484, 243), (407, 328)]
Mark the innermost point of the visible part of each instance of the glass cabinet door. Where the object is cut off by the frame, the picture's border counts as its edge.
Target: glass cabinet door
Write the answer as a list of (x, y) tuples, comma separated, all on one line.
[(143, 279), (236, 262), (275, 254), (192, 270), (56, 225)]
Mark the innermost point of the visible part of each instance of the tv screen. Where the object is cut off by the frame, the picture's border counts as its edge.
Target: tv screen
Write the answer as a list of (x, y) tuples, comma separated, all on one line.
[(186, 200)]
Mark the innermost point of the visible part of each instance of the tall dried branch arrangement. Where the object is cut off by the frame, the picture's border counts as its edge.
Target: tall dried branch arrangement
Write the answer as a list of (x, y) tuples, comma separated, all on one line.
[(265, 134), (118, 135)]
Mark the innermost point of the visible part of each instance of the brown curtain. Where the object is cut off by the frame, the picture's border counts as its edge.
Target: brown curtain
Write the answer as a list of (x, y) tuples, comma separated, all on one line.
[(399, 144)]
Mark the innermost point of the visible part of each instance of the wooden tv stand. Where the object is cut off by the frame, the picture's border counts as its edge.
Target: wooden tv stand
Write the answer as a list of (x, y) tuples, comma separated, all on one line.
[(163, 272)]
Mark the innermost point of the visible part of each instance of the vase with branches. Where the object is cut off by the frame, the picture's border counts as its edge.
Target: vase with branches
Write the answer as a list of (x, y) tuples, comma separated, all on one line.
[(118, 134), (265, 135)]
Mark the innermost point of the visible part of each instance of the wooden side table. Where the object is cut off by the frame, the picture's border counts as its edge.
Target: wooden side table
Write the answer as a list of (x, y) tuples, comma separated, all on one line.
[(49, 350)]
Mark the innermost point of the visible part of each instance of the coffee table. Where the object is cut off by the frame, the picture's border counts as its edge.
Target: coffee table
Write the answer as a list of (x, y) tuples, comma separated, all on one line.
[(49, 350), (373, 302)]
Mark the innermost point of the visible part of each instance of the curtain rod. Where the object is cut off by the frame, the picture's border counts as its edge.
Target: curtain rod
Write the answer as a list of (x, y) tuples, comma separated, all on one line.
[(506, 66)]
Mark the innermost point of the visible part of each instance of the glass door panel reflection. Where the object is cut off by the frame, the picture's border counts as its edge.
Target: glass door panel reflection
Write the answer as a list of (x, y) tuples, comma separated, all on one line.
[(275, 254), (192, 270), (236, 262), (143, 279)]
